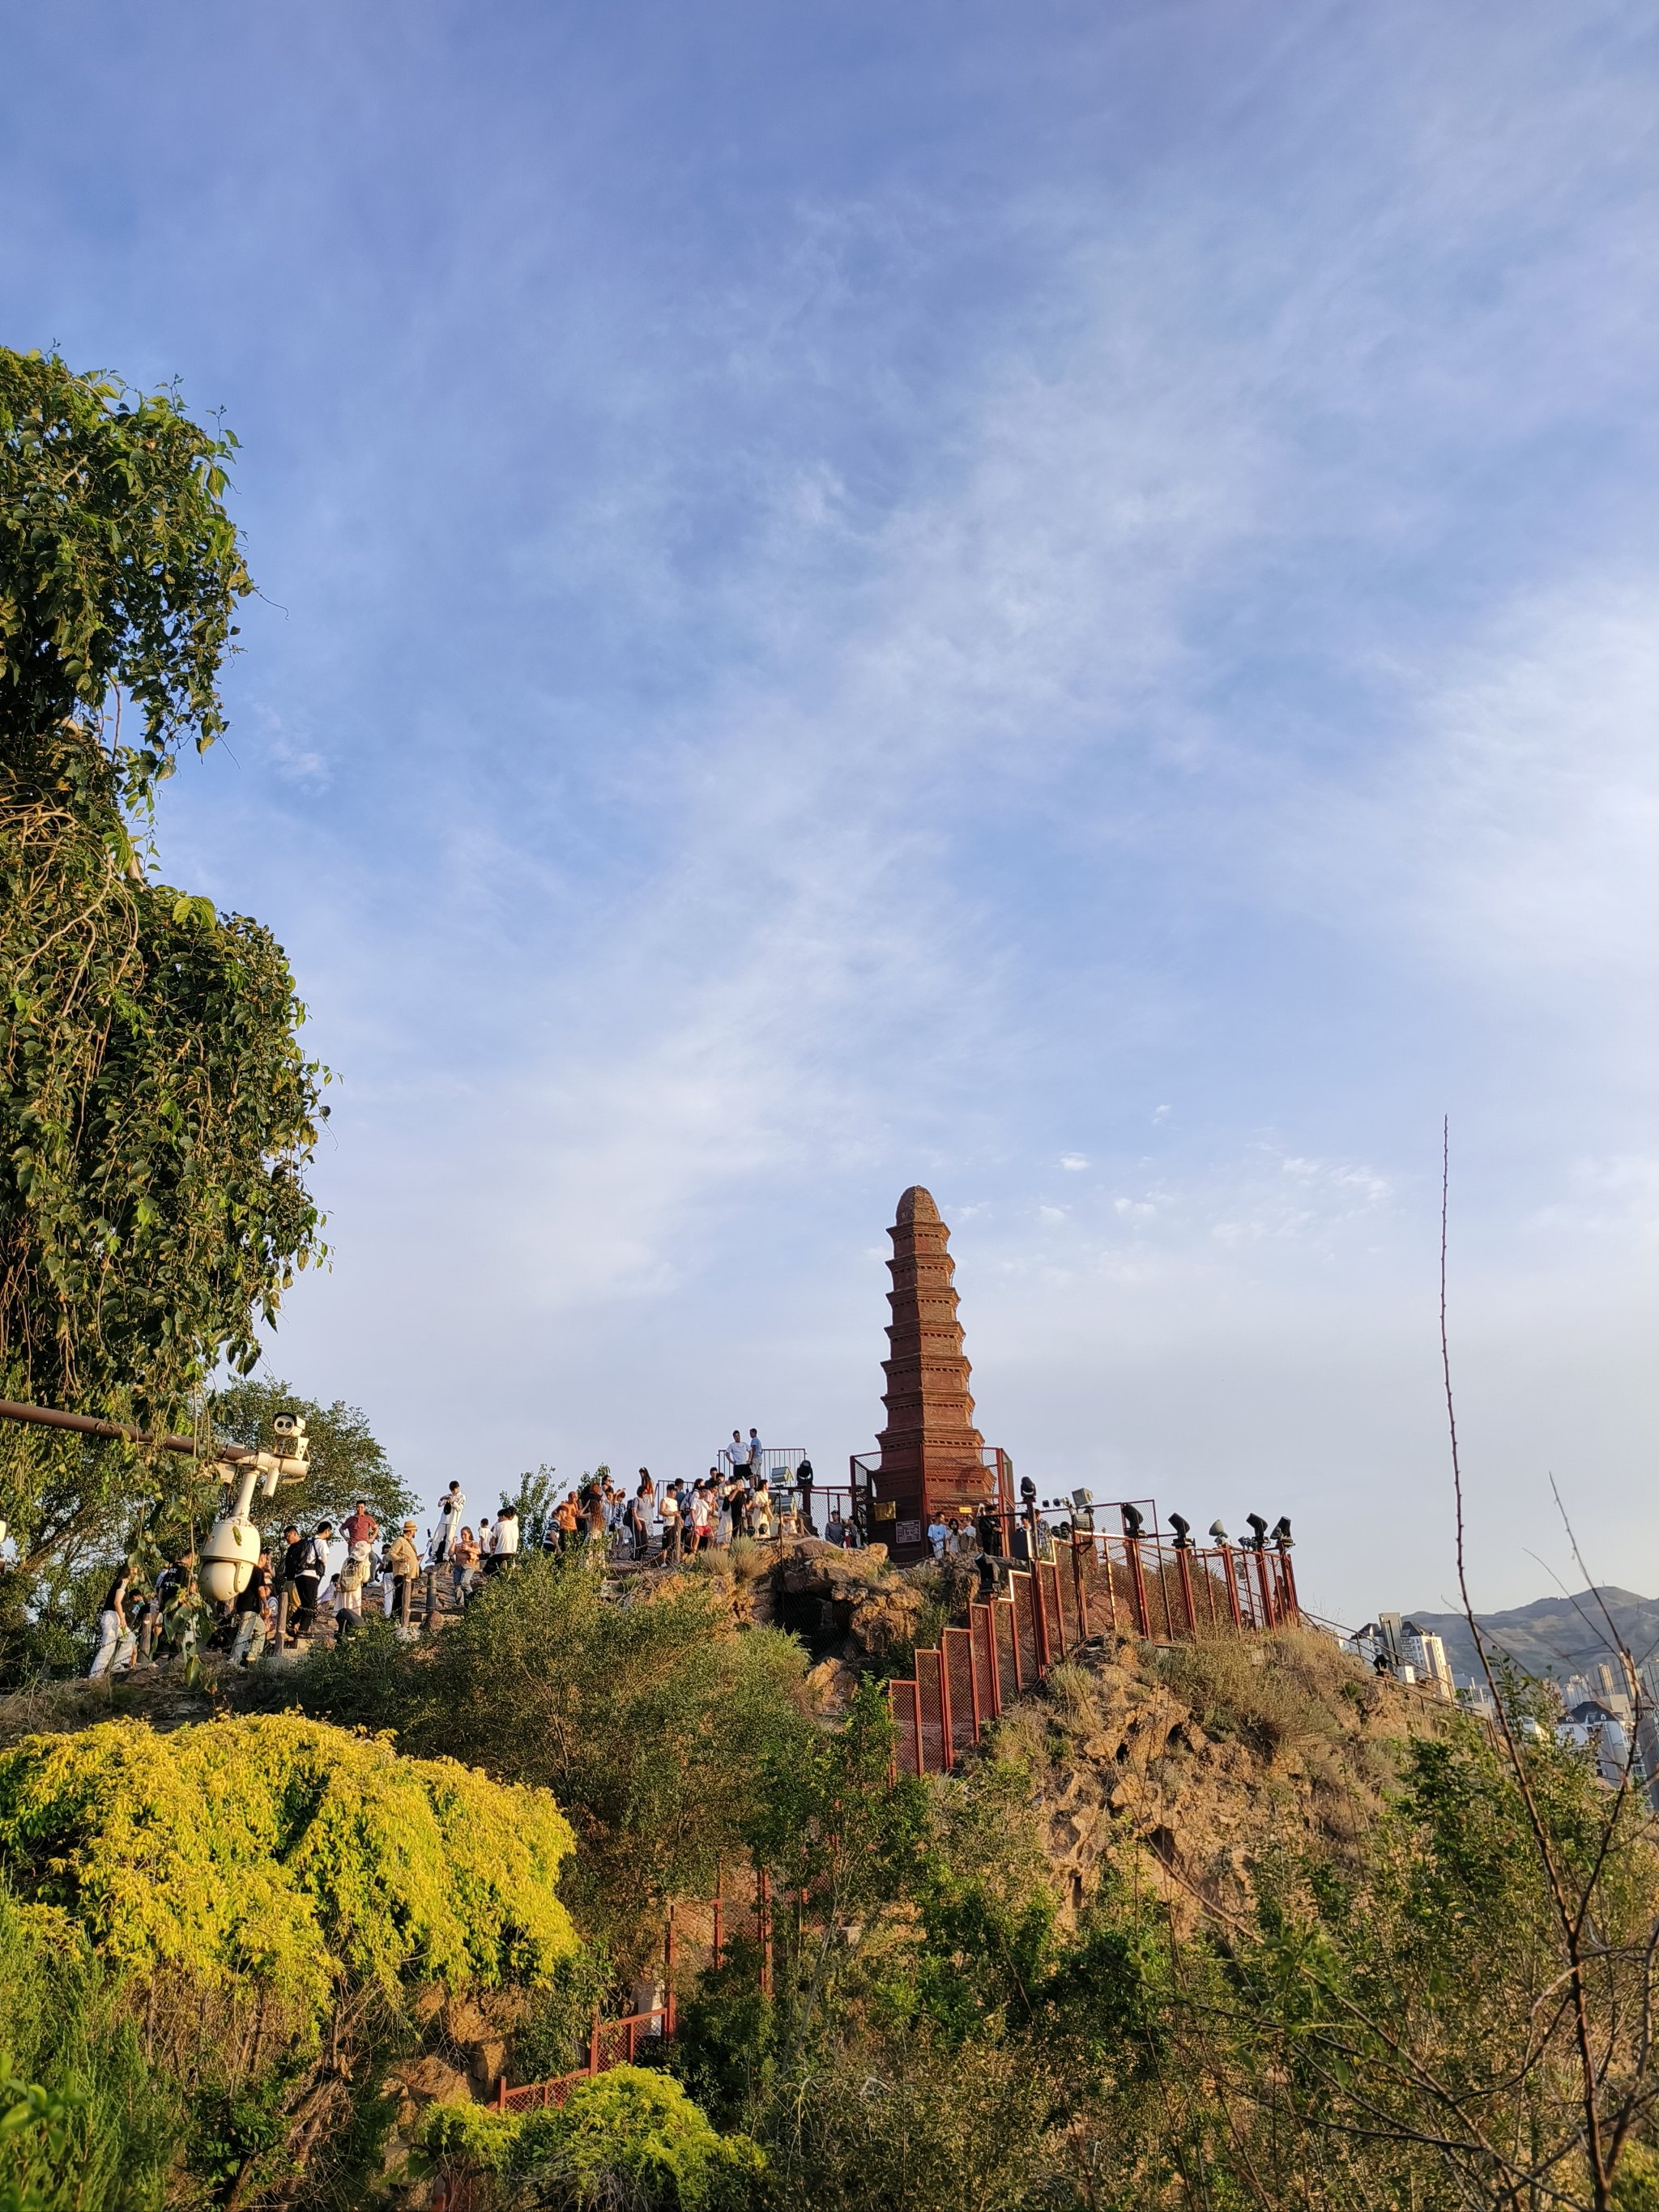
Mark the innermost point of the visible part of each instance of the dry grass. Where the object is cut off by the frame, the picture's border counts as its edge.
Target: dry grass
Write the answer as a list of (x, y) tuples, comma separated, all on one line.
[(58, 1707), (1294, 1690)]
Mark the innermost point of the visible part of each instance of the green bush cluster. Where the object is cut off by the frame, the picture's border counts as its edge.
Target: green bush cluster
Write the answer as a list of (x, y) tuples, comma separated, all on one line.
[(280, 1853), (628, 2137), (210, 1941), (654, 1724)]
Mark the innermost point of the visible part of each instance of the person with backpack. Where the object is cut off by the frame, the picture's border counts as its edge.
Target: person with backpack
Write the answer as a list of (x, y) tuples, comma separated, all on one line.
[(348, 1590), (306, 1564), (249, 1612)]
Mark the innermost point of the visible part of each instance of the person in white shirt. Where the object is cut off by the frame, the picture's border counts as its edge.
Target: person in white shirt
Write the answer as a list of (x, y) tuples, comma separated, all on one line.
[(669, 1512), (938, 1537), (507, 1538), (451, 1506)]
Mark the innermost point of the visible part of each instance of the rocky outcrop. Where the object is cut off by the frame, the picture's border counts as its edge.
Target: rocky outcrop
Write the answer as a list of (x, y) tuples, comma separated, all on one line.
[(1199, 1761), (849, 1607)]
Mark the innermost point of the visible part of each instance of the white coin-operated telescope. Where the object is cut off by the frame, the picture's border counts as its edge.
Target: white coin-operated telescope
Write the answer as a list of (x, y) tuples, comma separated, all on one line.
[(231, 1552)]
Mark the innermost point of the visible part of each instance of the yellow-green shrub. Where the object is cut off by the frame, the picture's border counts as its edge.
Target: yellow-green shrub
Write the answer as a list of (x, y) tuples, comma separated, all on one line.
[(630, 2136), (283, 1852)]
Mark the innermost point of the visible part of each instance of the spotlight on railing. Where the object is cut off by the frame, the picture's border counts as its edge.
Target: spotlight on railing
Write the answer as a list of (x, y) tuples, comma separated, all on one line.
[(1219, 1535), (1183, 1532), (1134, 1520), (1282, 1535), (1257, 1539)]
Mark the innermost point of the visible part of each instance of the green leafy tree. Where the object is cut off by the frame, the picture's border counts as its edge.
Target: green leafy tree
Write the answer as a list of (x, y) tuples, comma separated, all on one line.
[(655, 1724), (347, 1461), (157, 1111)]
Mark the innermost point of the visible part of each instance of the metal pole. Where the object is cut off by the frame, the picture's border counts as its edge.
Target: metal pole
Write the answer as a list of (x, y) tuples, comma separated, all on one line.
[(48, 1417), (668, 1974), (944, 1700), (593, 2044), (1040, 1622), (1232, 1585), (1261, 1584), (1186, 1593), (1137, 1584), (1289, 1574), (1079, 1588)]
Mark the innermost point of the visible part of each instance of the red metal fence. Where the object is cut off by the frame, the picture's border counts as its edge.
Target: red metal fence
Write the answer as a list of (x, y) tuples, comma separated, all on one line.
[(699, 1936), (1062, 1589)]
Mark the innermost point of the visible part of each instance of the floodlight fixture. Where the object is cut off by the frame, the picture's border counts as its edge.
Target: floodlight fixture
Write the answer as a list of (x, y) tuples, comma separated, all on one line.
[(1282, 1535), (1257, 1539), (1219, 1535), (1134, 1520), (1183, 1532)]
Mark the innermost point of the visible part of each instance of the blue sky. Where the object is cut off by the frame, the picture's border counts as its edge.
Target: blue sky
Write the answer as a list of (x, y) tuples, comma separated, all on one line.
[(1054, 601)]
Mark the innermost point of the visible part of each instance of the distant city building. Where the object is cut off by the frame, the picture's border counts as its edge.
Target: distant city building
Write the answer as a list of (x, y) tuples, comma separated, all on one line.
[(1592, 1727), (1391, 1645)]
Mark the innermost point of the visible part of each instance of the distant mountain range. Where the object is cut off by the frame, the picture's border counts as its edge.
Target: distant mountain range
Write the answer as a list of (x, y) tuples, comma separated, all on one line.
[(1557, 1636)]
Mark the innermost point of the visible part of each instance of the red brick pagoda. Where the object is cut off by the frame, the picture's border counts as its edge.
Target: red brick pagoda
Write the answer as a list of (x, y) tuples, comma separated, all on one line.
[(933, 1460)]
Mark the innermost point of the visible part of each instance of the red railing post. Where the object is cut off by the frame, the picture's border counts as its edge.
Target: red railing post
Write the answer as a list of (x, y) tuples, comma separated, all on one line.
[(501, 2094), (719, 1924), (668, 1974), (916, 1699), (1288, 1574), (1232, 1585), (1261, 1584), (1186, 1593), (593, 2044), (949, 1748), (1079, 1589), (1137, 1585)]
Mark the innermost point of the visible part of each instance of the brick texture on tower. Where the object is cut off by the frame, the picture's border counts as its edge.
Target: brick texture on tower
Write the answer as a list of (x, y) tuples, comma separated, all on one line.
[(933, 1457)]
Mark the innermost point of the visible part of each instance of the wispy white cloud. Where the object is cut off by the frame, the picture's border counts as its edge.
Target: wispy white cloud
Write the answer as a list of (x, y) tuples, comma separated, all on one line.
[(976, 652)]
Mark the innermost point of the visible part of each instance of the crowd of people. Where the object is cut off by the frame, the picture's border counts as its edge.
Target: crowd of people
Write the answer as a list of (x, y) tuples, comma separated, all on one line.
[(298, 1580)]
